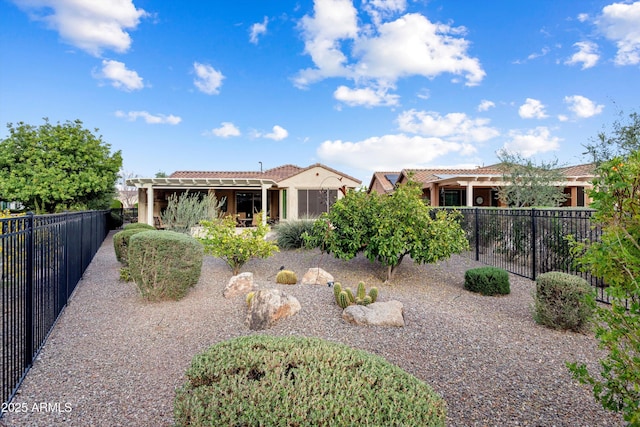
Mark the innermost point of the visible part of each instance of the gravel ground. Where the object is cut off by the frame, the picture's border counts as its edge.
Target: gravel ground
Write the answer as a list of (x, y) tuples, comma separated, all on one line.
[(115, 360)]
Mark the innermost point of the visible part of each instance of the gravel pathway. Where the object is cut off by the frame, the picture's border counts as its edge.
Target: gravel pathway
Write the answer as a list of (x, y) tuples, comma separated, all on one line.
[(115, 360)]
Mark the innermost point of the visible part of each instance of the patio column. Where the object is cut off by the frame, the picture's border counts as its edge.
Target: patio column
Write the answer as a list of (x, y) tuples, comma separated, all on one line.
[(150, 203), (264, 204), (469, 194)]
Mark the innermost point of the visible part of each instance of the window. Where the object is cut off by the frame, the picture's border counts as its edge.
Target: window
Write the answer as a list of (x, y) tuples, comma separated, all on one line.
[(312, 203), (249, 202), (453, 197)]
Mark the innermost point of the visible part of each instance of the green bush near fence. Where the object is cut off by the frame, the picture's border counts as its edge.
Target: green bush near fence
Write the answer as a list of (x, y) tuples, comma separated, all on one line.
[(138, 225), (563, 301), (164, 264), (121, 243), (487, 281), (262, 380)]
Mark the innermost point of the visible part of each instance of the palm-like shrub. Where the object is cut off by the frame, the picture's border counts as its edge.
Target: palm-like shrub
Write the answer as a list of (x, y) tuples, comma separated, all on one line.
[(289, 233)]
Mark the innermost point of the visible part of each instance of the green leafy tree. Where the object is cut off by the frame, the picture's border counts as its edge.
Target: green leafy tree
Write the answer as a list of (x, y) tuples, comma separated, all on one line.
[(221, 240), (389, 228), (51, 168), (624, 139), (530, 183), (616, 259)]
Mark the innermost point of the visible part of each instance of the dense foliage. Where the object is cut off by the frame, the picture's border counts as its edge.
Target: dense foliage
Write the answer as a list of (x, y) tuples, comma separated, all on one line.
[(221, 240), (386, 228), (563, 301), (262, 380), (487, 281), (186, 210), (164, 264), (289, 233), (530, 184), (51, 168)]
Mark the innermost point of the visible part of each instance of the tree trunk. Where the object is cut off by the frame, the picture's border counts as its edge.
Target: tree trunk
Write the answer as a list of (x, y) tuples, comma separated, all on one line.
[(391, 269)]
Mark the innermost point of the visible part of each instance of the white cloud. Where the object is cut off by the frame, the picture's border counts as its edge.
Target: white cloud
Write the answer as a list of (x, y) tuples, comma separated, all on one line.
[(485, 105), (257, 30), (538, 140), (384, 52), (582, 107), (563, 118), (583, 17), (89, 25), (208, 79), (227, 130), (120, 76), (279, 133), (390, 152), (543, 52), (532, 109), (367, 97), (453, 126), (620, 22), (587, 55), (152, 119)]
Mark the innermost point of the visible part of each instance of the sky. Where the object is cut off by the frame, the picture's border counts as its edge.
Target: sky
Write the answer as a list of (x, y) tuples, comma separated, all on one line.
[(357, 85)]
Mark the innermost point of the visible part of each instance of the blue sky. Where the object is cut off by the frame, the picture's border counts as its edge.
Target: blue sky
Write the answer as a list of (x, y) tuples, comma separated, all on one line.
[(358, 85)]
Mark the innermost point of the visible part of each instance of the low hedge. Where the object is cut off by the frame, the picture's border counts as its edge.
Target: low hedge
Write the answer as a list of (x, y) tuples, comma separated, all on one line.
[(121, 243), (487, 281), (563, 301), (164, 264), (138, 225), (262, 380)]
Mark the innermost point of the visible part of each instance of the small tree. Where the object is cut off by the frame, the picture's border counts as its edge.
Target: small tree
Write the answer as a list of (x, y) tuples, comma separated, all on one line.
[(221, 240), (616, 259), (389, 228), (530, 184), (51, 168), (624, 139)]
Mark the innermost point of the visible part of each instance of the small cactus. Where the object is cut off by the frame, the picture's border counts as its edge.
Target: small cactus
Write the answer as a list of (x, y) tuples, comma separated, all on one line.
[(249, 298), (349, 292), (361, 292), (337, 288), (345, 297), (343, 300), (373, 293), (286, 277)]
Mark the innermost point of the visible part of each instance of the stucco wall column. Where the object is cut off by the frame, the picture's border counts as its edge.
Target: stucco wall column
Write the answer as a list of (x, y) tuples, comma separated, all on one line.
[(469, 194), (150, 205), (264, 204)]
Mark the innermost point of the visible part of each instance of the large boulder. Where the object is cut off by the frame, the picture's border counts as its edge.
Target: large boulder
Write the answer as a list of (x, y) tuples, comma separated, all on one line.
[(387, 313), (268, 306), (316, 276), (241, 284)]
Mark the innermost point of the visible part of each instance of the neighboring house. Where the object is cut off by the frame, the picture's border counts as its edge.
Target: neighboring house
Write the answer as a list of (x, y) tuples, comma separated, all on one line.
[(383, 182), (479, 186), (284, 192)]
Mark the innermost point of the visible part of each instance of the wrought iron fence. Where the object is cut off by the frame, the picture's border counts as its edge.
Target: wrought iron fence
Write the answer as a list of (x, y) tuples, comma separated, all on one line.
[(529, 242), (42, 259)]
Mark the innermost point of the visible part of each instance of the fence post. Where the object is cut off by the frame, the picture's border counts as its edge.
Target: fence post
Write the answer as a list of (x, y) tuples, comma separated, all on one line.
[(477, 235), (28, 297), (533, 244)]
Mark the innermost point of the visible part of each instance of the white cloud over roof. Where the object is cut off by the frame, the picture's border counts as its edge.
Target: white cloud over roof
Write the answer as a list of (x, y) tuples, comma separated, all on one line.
[(620, 23), (532, 109), (92, 26), (368, 97), (452, 126), (208, 80), (533, 141), (278, 133), (119, 76), (226, 130), (257, 30), (376, 55)]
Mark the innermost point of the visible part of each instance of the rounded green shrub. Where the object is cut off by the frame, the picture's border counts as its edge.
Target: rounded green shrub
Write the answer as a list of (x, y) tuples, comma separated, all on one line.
[(487, 281), (563, 301), (289, 233), (121, 243), (164, 264), (138, 225), (286, 277), (262, 380)]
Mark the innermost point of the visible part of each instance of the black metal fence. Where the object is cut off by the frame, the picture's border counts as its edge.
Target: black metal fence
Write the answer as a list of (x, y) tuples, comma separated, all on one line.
[(528, 242), (121, 216), (42, 259)]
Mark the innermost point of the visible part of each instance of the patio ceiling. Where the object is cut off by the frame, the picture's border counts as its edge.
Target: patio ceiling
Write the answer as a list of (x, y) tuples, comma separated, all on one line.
[(199, 182)]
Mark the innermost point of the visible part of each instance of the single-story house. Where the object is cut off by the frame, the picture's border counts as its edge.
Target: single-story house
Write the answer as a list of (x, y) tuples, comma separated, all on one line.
[(285, 192), (477, 187)]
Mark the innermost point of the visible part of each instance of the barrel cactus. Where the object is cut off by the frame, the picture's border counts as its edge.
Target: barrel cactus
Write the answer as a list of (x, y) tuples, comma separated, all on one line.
[(345, 297), (286, 277), (343, 300)]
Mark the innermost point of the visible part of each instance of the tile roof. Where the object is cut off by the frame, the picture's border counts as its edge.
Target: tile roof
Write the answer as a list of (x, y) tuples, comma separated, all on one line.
[(383, 180), (278, 173)]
